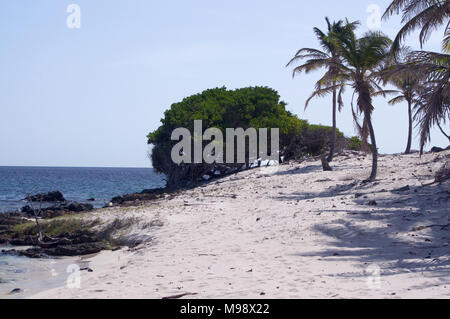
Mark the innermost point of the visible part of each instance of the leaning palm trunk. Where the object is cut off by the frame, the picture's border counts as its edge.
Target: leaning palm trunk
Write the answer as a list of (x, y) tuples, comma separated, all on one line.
[(365, 106), (373, 174), (333, 136)]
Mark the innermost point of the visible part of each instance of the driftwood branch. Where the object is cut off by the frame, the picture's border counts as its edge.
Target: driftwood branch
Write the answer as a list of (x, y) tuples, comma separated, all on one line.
[(36, 214), (180, 295)]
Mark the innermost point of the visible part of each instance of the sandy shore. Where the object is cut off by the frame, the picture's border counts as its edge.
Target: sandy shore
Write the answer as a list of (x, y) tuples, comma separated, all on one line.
[(287, 232)]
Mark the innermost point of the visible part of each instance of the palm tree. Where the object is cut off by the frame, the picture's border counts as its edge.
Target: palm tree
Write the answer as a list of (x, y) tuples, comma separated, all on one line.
[(406, 91), (362, 61), (434, 68), (427, 15), (434, 100), (326, 58), (408, 86)]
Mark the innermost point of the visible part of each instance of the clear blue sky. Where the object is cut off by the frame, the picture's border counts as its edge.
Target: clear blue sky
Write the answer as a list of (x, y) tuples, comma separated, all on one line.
[(89, 96)]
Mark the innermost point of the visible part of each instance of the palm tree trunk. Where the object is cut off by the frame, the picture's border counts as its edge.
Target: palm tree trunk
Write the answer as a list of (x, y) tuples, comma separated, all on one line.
[(373, 174), (408, 146), (333, 137), (443, 132)]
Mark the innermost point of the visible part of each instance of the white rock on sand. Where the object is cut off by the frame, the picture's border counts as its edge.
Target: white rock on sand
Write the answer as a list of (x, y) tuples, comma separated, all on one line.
[(287, 232)]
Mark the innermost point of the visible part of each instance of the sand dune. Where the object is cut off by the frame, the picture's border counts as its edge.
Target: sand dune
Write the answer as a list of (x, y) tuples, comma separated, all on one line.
[(287, 232)]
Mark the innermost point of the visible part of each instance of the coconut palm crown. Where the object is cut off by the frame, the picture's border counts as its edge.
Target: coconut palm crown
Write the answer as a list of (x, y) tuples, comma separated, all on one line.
[(326, 58)]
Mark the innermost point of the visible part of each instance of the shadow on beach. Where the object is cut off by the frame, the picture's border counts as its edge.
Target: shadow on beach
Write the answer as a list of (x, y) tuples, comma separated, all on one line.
[(412, 231)]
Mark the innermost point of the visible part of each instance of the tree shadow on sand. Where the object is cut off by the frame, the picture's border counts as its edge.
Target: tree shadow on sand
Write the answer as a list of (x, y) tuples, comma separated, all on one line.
[(412, 232)]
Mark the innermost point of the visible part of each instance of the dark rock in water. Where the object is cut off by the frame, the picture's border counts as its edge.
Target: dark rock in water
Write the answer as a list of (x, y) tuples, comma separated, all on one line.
[(15, 291), (91, 199), (77, 207), (28, 241), (55, 196), (76, 250), (437, 150), (59, 210), (30, 253), (145, 195), (59, 251), (27, 210)]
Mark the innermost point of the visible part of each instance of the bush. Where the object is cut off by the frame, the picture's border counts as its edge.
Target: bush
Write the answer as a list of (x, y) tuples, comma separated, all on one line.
[(354, 143), (257, 107)]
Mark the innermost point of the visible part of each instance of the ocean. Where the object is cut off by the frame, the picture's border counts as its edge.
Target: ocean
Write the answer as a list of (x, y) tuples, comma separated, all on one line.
[(76, 184)]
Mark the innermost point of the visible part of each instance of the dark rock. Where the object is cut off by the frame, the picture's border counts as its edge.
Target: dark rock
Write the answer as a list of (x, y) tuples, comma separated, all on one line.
[(28, 241), (437, 149), (59, 210), (27, 210), (59, 251), (91, 199), (15, 291), (358, 195), (78, 208), (134, 198), (325, 165), (117, 200), (373, 203), (30, 253), (55, 196), (403, 189), (76, 250)]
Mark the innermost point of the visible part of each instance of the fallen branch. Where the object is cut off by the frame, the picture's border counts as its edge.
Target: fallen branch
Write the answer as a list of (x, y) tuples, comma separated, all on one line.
[(180, 295), (420, 228)]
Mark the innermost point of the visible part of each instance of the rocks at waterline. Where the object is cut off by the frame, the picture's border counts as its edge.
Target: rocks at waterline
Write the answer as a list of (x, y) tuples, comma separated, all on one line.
[(7, 223), (439, 149), (59, 251), (145, 195), (77, 243), (59, 210), (51, 197)]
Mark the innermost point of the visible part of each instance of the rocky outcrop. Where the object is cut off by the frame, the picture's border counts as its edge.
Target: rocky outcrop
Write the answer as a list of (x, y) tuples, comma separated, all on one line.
[(51, 197), (59, 251), (136, 198), (77, 243), (59, 210)]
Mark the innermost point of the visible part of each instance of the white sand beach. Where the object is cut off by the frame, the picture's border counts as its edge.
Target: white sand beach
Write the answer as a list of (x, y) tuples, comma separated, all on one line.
[(291, 231)]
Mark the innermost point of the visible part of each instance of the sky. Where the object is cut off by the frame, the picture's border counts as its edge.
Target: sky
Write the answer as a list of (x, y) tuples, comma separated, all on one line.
[(88, 96)]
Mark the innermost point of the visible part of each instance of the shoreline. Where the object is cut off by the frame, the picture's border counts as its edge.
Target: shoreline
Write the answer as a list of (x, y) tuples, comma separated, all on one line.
[(291, 231), (28, 277)]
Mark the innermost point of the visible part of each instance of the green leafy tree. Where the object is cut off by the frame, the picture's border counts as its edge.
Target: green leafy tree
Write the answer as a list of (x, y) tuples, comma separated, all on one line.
[(256, 107)]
